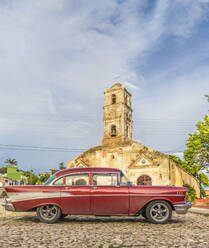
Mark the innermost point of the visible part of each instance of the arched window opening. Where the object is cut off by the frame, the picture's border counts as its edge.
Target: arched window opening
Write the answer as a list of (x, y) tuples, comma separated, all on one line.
[(113, 98), (144, 180), (113, 131)]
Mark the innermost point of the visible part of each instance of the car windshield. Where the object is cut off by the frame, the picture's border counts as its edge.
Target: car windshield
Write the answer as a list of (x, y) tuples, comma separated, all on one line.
[(124, 180), (50, 180)]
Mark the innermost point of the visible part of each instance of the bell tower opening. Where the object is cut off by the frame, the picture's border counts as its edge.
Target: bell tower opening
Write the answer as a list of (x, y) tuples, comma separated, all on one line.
[(113, 131), (117, 115), (113, 98)]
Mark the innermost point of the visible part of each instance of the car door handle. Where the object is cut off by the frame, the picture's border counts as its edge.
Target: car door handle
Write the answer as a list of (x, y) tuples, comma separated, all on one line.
[(66, 187), (95, 187)]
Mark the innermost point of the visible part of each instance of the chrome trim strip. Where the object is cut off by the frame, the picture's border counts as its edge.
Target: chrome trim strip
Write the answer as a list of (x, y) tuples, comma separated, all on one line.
[(161, 195), (117, 195), (152, 195)]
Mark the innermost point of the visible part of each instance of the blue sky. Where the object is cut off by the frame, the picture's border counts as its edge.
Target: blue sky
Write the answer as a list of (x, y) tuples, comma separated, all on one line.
[(57, 57)]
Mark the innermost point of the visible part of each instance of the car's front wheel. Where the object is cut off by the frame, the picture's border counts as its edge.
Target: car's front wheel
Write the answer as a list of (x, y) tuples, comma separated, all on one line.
[(158, 212), (48, 213)]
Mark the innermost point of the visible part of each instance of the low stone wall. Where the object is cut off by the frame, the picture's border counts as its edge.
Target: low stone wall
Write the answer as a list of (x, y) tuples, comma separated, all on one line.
[(201, 203)]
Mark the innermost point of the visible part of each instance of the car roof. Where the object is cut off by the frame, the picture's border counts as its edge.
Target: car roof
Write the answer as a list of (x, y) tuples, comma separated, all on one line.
[(88, 169)]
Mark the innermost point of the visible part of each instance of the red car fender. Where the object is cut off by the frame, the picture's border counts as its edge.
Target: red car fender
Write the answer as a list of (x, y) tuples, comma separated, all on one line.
[(137, 205), (33, 204), (48, 203)]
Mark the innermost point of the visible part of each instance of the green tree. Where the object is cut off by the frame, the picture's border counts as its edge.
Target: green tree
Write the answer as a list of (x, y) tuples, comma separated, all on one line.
[(32, 178), (10, 161), (62, 166), (3, 170), (43, 178), (207, 96), (197, 153)]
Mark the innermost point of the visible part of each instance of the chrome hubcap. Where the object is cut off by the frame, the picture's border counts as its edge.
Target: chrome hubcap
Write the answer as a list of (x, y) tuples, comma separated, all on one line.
[(48, 211), (159, 212)]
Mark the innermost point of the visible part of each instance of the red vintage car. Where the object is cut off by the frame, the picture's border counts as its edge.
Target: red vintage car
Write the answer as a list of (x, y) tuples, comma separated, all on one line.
[(96, 191)]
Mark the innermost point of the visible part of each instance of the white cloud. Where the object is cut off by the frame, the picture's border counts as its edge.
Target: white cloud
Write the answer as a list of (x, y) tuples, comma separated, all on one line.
[(186, 16), (58, 56)]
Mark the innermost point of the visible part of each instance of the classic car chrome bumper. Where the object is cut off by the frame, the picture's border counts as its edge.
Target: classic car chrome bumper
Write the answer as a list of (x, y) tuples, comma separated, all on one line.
[(8, 206), (182, 208)]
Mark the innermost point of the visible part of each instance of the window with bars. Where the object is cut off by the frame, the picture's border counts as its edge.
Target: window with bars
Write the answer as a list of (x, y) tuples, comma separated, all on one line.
[(144, 180)]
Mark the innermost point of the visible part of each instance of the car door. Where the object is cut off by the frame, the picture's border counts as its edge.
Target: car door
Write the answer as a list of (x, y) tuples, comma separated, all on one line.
[(75, 194), (107, 197)]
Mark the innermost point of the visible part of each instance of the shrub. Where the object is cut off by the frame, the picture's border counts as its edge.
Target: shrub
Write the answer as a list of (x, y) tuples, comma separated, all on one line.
[(191, 193)]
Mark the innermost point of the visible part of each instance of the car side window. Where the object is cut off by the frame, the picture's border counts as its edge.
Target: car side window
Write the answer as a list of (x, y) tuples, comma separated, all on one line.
[(105, 179), (59, 181), (77, 180)]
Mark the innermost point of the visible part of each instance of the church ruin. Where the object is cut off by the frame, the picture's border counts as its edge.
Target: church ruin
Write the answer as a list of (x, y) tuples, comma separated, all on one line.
[(143, 165)]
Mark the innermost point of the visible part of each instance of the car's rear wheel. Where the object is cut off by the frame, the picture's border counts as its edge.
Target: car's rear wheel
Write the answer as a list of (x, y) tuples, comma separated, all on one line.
[(48, 213), (158, 212)]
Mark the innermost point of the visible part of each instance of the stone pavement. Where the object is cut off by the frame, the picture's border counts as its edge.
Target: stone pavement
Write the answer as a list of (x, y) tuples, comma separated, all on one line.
[(25, 230)]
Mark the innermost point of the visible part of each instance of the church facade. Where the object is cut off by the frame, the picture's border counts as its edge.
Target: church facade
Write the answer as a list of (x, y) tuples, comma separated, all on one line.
[(142, 165)]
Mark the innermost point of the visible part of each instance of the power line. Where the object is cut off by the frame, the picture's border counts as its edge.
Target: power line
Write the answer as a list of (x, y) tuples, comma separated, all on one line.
[(43, 147), (63, 151), (39, 148), (88, 117), (172, 151), (54, 149)]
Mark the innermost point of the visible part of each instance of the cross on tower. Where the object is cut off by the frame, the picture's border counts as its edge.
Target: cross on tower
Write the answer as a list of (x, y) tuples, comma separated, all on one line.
[(117, 77)]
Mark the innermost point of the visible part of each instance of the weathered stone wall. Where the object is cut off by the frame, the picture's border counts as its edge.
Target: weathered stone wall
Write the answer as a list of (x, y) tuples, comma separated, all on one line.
[(181, 177), (118, 114), (129, 157)]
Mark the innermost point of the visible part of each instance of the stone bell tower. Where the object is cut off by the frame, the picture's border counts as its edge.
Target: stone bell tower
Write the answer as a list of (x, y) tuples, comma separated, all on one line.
[(117, 115)]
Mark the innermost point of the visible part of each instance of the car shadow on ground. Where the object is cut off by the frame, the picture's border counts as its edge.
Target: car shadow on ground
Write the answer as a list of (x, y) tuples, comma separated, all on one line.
[(92, 219)]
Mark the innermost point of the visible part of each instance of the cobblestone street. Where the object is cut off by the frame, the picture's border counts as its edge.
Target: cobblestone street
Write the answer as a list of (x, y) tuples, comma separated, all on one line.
[(25, 230)]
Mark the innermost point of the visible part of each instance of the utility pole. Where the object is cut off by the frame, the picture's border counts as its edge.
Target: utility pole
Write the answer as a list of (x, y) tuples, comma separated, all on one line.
[(200, 173)]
